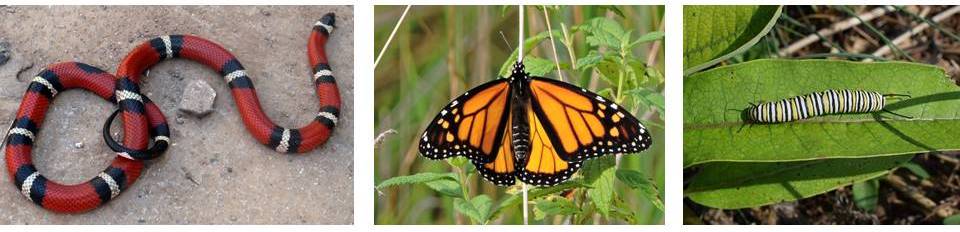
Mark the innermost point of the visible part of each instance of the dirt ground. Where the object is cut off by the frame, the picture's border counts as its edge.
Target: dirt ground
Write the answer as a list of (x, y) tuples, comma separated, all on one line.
[(215, 172)]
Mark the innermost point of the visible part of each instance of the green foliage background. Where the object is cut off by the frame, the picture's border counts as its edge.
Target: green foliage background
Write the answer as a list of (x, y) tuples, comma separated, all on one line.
[(440, 51)]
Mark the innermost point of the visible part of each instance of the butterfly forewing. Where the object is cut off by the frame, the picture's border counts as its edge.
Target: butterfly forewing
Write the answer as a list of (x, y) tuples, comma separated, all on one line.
[(471, 125), (583, 124)]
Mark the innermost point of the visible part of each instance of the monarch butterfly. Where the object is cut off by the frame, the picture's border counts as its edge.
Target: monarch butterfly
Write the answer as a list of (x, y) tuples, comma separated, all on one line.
[(532, 128), (819, 103)]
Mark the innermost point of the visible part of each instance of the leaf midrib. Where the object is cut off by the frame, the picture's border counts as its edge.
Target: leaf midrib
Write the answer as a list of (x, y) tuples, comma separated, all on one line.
[(693, 126)]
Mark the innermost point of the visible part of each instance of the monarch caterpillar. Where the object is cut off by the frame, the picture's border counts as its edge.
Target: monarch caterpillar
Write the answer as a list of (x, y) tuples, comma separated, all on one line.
[(819, 103), (531, 128)]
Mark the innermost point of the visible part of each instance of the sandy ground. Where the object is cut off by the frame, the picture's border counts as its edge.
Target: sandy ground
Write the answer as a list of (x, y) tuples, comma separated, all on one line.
[(238, 181)]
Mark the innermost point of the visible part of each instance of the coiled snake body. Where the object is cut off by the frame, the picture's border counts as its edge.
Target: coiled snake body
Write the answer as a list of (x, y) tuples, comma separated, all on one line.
[(143, 119)]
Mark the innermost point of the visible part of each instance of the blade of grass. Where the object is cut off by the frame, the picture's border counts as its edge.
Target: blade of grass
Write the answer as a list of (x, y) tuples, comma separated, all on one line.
[(800, 43), (877, 32), (932, 23), (390, 38)]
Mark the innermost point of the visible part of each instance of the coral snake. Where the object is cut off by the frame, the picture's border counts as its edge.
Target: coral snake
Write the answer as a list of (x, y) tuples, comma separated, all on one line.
[(143, 119)]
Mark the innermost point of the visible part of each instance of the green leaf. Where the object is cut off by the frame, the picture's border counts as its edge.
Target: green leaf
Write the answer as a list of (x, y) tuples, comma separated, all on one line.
[(557, 206), (539, 67), (446, 187), (477, 209), (458, 162), (604, 32), (712, 34), (423, 177), (649, 97), (635, 73), (590, 60), (605, 92), (623, 212), (652, 36), (714, 101), (916, 169), (655, 74), (515, 200), (865, 194), (636, 180), (600, 173), (609, 69), (732, 185), (952, 220)]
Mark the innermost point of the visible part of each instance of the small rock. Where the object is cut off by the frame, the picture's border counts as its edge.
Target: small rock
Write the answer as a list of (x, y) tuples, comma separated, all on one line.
[(179, 119), (78, 145), (4, 52), (197, 99)]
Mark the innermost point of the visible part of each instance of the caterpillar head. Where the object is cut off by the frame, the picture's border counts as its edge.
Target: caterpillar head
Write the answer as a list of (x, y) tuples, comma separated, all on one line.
[(749, 114)]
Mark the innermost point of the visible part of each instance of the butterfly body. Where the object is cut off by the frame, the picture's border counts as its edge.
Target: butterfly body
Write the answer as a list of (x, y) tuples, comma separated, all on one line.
[(532, 128)]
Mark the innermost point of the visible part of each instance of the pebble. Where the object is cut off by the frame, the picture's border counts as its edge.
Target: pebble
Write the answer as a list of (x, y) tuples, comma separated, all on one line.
[(197, 98), (4, 52), (78, 145), (179, 119)]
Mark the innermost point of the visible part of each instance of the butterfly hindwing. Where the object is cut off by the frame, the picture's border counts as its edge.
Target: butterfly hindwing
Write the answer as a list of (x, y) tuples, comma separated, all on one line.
[(543, 166), (471, 125), (502, 169), (583, 124)]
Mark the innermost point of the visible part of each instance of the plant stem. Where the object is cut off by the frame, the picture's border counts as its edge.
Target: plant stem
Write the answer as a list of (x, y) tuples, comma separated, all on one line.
[(623, 63), (653, 52), (526, 209), (520, 35), (568, 43), (553, 44), (464, 184)]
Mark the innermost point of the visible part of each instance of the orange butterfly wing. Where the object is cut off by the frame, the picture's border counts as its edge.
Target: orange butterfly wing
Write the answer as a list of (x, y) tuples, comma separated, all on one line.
[(472, 125), (502, 169), (543, 166), (582, 124)]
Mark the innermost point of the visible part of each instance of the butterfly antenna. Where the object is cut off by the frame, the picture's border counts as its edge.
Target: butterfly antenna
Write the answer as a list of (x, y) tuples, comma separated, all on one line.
[(504, 37)]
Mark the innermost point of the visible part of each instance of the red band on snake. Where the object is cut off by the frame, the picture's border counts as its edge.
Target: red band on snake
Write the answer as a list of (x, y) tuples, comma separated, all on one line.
[(143, 119)]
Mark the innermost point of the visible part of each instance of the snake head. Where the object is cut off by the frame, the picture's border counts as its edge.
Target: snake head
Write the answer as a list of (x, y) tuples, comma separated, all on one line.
[(328, 19), (325, 24)]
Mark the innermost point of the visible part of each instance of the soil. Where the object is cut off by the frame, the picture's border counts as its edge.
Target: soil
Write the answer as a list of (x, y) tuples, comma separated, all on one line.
[(214, 172)]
